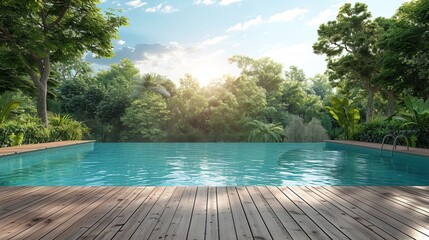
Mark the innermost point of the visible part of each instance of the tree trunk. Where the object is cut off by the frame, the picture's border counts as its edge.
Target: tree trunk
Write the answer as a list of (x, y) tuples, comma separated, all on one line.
[(41, 83), (390, 103), (42, 110), (369, 104)]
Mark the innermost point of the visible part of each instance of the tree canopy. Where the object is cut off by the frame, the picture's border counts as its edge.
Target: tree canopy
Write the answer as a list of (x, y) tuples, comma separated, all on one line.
[(35, 34)]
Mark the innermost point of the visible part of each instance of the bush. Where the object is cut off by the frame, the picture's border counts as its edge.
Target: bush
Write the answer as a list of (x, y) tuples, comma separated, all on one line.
[(32, 130), (375, 130), (315, 132), (298, 131), (295, 129)]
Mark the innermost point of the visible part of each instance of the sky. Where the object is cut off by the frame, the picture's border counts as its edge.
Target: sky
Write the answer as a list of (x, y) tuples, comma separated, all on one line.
[(197, 37)]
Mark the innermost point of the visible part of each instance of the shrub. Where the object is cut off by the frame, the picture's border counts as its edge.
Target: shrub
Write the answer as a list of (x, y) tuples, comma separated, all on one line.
[(375, 130), (295, 129), (315, 132), (27, 129)]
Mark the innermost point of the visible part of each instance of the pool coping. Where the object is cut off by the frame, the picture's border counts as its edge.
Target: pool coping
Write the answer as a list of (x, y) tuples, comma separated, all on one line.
[(39, 146), (387, 147)]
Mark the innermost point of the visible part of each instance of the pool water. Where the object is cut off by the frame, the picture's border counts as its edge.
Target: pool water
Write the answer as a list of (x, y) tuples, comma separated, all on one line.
[(211, 164)]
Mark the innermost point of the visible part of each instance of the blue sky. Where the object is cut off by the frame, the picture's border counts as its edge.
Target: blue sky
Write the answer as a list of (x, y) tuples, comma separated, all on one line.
[(176, 37)]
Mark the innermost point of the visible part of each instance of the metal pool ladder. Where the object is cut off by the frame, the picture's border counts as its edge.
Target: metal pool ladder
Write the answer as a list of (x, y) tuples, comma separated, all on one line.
[(395, 139)]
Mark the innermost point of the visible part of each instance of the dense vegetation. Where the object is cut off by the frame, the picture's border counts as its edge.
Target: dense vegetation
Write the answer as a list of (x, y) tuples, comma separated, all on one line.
[(374, 66)]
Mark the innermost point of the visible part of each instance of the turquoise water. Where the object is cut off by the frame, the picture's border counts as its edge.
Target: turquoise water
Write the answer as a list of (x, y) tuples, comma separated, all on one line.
[(214, 164)]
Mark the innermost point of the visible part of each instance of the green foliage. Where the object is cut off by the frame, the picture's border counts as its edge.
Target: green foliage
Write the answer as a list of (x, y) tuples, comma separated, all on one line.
[(26, 129), (16, 140), (63, 127), (295, 129), (6, 109), (36, 34), (263, 132), (416, 113), (145, 118), (315, 132), (349, 43), (345, 114), (375, 130)]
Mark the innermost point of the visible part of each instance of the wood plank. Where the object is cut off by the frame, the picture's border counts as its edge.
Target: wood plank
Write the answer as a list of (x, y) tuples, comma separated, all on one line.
[(197, 228), (284, 217), (414, 190), (213, 213), (139, 215), (309, 227), (397, 219), (86, 218), (134, 205), (94, 230), (398, 199), (226, 222), (31, 217), (316, 217), (60, 219), (164, 221), (383, 197), (273, 223), (33, 199), (182, 217), (392, 226), (23, 214), (377, 226), (256, 223), (415, 197), (212, 228), (7, 192), (148, 224), (349, 226), (242, 228)]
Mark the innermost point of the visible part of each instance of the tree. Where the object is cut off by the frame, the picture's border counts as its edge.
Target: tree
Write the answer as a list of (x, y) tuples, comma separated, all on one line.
[(36, 34), (268, 74), (295, 74), (349, 43), (405, 44), (321, 86), (145, 118)]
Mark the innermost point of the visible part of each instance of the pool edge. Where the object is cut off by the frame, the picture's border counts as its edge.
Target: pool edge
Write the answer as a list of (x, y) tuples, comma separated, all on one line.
[(40, 146), (400, 149)]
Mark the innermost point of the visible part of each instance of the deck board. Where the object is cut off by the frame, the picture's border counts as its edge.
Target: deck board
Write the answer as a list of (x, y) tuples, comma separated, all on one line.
[(313, 212)]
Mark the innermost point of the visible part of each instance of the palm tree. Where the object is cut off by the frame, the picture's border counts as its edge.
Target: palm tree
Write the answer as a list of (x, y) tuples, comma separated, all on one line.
[(153, 82), (265, 132)]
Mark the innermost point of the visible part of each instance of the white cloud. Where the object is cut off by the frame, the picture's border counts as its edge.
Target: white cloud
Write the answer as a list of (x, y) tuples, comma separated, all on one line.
[(323, 17), (154, 9), (169, 9), (214, 40), (205, 2), (159, 8), (245, 25), (136, 3), (288, 15), (228, 2), (120, 42), (300, 55)]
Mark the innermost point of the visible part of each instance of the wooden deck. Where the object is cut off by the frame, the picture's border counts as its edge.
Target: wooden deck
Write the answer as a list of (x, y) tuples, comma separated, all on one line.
[(214, 212), (39, 146), (387, 147)]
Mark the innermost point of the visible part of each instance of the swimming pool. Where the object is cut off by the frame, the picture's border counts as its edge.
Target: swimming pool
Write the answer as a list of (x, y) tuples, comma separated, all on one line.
[(211, 164)]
